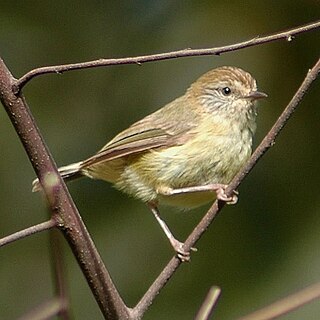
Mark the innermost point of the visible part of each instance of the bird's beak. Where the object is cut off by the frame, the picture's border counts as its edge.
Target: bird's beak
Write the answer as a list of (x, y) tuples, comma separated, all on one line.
[(255, 95)]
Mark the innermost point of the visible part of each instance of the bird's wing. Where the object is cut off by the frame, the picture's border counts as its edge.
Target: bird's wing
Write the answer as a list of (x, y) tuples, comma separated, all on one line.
[(154, 131), (131, 144)]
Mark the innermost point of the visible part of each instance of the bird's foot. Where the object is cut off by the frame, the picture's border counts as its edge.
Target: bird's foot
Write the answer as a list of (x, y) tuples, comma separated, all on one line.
[(182, 254)]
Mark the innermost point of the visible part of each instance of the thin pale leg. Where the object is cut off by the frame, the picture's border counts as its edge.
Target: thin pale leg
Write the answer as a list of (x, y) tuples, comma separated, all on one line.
[(176, 244), (216, 187)]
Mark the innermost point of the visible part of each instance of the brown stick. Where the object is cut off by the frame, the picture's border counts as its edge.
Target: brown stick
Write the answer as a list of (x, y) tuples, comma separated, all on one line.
[(28, 232), (59, 274), (288, 35), (45, 311), (208, 304), (286, 305), (212, 213), (60, 201)]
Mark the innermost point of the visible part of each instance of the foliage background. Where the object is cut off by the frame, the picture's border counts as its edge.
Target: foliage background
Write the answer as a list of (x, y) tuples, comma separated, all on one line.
[(258, 251)]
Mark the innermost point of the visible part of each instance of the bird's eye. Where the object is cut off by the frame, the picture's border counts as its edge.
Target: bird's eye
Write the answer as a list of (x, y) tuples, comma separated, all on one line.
[(226, 91)]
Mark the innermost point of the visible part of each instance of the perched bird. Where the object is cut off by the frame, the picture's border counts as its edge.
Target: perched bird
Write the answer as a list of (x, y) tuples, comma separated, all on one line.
[(185, 153)]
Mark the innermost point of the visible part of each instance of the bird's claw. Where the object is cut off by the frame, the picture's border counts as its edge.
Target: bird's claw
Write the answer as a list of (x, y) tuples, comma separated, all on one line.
[(222, 196), (182, 254)]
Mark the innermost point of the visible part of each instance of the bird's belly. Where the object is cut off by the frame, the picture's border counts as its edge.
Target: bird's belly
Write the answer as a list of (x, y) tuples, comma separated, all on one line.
[(184, 166)]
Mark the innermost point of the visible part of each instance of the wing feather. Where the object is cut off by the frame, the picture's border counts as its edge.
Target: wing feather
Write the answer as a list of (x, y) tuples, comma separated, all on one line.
[(163, 128)]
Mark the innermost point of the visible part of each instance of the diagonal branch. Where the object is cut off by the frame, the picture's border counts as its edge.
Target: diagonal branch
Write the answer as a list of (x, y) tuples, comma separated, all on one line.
[(288, 35), (60, 202), (45, 311), (28, 232), (59, 274), (270, 138), (208, 304), (286, 305), (212, 213)]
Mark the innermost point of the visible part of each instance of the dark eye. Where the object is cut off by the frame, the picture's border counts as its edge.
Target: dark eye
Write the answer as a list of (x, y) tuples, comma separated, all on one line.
[(226, 91)]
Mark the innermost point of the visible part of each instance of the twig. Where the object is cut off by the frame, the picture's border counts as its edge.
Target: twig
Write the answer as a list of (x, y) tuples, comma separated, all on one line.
[(58, 69), (28, 231), (208, 304), (59, 274), (45, 311), (212, 213), (60, 202), (286, 305)]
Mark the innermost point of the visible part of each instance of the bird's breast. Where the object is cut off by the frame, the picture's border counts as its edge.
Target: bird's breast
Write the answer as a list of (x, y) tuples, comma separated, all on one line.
[(207, 157)]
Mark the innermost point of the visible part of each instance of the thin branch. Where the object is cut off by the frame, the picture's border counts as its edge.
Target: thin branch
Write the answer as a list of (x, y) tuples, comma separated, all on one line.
[(28, 231), (59, 274), (286, 305), (212, 213), (270, 138), (60, 202), (58, 69), (208, 304), (45, 311)]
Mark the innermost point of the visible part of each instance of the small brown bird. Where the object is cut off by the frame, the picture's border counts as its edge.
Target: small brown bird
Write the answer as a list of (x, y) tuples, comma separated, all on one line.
[(185, 153)]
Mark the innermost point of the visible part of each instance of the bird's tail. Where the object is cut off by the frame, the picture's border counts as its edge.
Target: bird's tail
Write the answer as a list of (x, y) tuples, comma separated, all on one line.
[(70, 172)]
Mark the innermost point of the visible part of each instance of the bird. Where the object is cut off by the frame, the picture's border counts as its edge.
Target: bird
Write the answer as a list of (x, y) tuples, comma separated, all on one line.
[(185, 153)]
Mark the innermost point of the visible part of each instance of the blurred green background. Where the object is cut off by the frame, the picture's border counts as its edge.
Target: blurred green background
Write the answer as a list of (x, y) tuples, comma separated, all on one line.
[(257, 251)]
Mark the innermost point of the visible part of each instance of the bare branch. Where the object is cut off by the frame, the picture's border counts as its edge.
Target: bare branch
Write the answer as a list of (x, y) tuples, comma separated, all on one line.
[(212, 213), (58, 69), (209, 303), (45, 311), (286, 305), (270, 138), (60, 202), (28, 232), (59, 274), (266, 143)]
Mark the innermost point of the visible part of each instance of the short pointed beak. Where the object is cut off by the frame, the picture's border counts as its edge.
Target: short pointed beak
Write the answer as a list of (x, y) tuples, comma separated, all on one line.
[(255, 95)]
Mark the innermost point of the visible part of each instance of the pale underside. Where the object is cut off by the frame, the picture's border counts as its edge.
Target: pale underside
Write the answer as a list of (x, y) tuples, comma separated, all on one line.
[(143, 160)]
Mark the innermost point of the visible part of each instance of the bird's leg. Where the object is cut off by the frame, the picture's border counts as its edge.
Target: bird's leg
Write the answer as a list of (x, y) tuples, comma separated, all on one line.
[(176, 244), (218, 188)]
